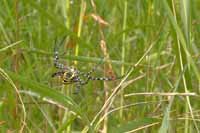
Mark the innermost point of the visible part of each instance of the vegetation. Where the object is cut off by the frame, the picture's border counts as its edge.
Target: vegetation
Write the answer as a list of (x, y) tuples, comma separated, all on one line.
[(149, 47)]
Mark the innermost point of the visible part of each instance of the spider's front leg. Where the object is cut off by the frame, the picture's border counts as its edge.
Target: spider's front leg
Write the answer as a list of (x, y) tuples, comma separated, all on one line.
[(102, 78), (57, 64)]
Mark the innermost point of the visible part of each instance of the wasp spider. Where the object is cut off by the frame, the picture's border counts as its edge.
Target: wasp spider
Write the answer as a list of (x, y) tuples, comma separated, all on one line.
[(71, 75)]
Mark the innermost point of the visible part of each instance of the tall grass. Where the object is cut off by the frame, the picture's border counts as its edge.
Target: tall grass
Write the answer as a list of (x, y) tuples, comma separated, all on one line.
[(151, 45)]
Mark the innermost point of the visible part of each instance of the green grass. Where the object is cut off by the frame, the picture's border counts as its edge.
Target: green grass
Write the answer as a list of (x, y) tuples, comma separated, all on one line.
[(154, 45)]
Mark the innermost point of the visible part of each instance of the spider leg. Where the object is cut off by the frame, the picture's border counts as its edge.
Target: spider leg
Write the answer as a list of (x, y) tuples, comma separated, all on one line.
[(87, 73), (78, 87), (91, 71), (56, 58), (57, 64), (86, 81), (78, 84), (96, 78), (101, 78)]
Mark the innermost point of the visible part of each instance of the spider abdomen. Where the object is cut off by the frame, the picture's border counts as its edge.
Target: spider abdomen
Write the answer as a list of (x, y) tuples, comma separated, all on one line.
[(70, 77)]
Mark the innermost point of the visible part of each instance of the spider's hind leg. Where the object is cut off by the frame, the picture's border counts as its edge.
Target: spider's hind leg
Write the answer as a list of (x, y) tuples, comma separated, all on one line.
[(77, 89), (79, 84)]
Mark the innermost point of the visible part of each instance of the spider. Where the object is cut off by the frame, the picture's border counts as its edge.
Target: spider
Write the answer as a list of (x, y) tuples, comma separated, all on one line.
[(71, 75)]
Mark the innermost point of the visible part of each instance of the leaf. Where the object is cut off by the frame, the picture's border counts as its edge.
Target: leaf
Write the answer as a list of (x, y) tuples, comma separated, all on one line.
[(47, 92)]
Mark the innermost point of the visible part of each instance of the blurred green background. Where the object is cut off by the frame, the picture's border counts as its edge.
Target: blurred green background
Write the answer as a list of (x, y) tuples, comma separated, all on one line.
[(152, 44)]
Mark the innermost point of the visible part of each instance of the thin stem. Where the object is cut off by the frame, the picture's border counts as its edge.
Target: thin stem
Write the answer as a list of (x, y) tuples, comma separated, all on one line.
[(123, 54)]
